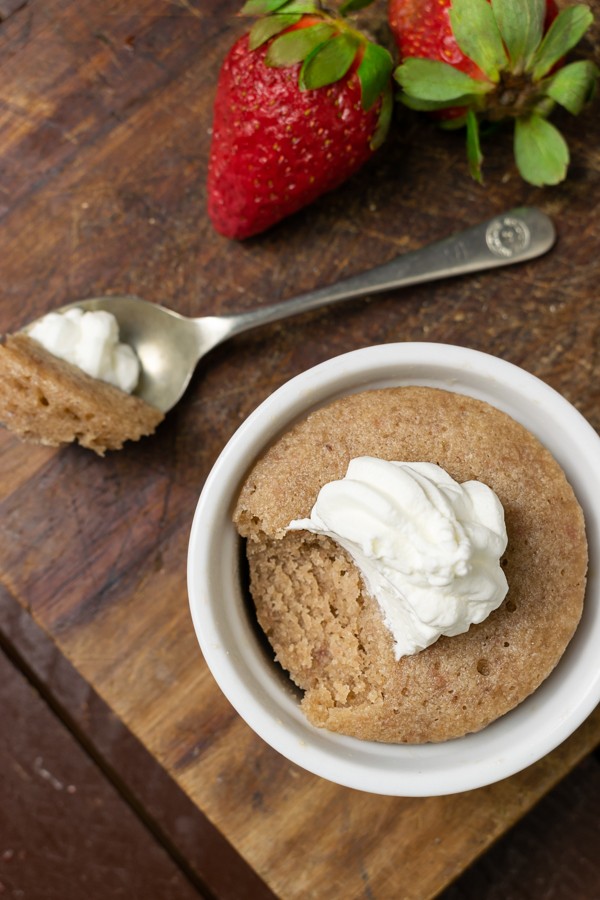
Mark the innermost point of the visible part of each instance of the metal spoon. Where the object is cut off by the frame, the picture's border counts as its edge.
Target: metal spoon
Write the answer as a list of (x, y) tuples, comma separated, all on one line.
[(169, 345)]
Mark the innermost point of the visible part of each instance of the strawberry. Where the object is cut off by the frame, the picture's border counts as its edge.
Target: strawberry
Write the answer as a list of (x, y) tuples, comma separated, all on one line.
[(470, 61), (422, 28), (303, 101)]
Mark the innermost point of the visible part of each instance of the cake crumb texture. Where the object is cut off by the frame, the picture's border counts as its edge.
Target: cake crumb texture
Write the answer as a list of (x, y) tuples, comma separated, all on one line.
[(45, 400), (328, 632)]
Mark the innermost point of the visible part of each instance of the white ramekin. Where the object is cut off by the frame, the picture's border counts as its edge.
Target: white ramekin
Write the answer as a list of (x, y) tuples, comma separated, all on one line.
[(253, 683)]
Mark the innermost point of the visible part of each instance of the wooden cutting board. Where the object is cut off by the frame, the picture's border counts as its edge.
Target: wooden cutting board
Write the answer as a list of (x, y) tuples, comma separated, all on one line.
[(104, 137)]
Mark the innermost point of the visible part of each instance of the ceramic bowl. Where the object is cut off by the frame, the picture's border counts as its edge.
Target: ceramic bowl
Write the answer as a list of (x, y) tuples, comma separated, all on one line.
[(266, 698)]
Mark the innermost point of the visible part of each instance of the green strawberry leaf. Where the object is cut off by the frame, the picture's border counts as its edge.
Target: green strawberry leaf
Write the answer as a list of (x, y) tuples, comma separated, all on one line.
[(295, 46), (264, 29), (261, 7), (351, 6), (300, 6), (521, 28), (474, 154), (433, 105), (329, 62), (429, 79), (374, 73), (476, 32), (574, 85), (565, 32), (266, 7), (541, 152), (385, 117)]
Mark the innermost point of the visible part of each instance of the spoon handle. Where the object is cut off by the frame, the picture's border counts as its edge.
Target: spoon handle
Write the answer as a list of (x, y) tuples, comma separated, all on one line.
[(511, 237)]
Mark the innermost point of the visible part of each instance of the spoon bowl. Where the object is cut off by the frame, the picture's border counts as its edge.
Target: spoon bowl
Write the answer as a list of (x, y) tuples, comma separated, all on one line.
[(169, 345)]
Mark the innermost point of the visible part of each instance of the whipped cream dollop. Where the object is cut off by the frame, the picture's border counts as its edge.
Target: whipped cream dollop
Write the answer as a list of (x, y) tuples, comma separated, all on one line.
[(427, 547), (89, 340)]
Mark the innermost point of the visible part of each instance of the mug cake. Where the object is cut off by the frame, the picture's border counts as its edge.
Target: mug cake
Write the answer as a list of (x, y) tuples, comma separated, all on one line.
[(319, 610)]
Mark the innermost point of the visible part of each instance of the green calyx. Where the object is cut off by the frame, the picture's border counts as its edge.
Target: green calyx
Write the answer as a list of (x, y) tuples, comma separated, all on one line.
[(520, 78), (350, 6), (326, 48)]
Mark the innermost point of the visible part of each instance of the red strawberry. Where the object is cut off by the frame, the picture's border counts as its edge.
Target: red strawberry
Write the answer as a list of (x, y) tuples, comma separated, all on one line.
[(472, 60), (302, 103), (422, 28)]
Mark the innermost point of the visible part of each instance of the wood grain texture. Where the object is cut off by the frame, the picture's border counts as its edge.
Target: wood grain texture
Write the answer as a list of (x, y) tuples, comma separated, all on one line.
[(84, 839), (104, 136), (552, 853), (176, 823)]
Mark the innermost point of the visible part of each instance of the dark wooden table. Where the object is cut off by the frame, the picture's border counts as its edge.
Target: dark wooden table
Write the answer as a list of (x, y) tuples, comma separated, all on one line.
[(123, 771)]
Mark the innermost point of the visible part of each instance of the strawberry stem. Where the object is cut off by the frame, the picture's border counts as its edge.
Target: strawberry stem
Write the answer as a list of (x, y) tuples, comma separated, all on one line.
[(515, 96)]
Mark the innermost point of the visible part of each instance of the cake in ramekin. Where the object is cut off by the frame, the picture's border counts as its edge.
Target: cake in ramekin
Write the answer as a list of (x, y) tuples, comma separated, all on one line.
[(327, 630)]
